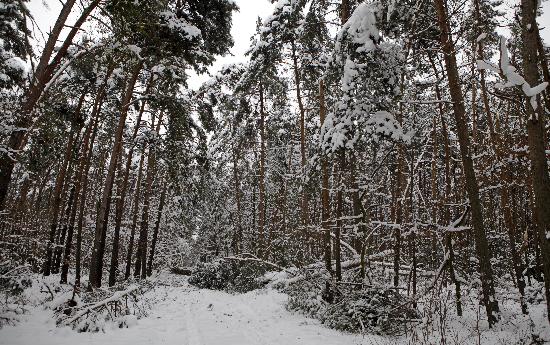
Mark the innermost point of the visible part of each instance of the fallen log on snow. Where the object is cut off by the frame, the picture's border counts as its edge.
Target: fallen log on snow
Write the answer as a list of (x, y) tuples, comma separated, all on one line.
[(183, 271), (252, 258), (116, 297)]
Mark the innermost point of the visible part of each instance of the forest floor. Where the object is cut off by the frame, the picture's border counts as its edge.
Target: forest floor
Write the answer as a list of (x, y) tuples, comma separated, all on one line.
[(181, 314), (189, 316)]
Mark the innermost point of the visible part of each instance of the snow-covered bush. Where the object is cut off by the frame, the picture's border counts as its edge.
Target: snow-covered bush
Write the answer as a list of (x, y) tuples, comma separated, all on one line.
[(13, 281), (211, 275), (305, 293), (232, 275), (95, 311), (375, 310), (372, 310)]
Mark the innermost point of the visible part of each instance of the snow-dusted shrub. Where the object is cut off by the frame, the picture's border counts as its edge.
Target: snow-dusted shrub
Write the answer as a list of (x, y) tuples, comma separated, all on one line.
[(211, 275), (232, 275), (372, 310), (305, 293), (13, 281), (375, 310), (98, 310)]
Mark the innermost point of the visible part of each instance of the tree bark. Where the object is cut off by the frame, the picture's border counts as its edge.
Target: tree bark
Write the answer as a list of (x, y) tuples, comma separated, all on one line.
[(135, 210), (156, 230), (96, 262), (325, 215), (261, 182), (536, 139), (297, 81), (472, 188), (121, 197), (141, 257)]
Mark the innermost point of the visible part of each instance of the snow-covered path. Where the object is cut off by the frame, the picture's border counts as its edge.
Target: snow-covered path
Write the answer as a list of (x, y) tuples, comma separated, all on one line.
[(187, 316)]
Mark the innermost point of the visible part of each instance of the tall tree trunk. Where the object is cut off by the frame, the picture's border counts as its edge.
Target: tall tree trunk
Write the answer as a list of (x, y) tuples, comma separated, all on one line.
[(135, 209), (123, 187), (56, 203), (297, 81), (472, 188), (79, 177), (237, 240), (536, 139), (96, 262), (339, 214), (141, 257), (261, 182), (156, 230), (87, 159), (325, 215)]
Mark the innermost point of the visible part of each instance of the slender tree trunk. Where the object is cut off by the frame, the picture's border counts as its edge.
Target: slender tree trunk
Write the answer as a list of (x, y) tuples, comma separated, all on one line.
[(122, 190), (237, 241), (141, 259), (297, 81), (135, 209), (64, 232), (79, 177), (536, 139), (56, 204), (339, 215), (156, 230), (87, 159), (325, 186), (261, 206), (472, 188), (96, 262), (344, 16)]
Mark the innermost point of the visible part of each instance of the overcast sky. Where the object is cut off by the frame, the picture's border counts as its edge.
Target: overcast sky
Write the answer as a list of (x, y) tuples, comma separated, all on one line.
[(244, 25)]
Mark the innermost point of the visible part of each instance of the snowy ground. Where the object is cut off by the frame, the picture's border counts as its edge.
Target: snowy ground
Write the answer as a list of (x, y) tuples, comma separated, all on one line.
[(188, 316), (183, 315)]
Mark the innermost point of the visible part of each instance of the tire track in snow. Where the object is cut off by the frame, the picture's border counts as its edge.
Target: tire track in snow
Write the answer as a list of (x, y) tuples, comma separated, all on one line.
[(193, 337)]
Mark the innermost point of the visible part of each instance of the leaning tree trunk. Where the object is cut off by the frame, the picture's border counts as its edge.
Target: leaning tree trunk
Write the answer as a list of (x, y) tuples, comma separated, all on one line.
[(43, 74), (472, 188)]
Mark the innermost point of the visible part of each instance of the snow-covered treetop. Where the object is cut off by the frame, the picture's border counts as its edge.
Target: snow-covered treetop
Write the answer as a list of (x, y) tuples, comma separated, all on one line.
[(367, 71)]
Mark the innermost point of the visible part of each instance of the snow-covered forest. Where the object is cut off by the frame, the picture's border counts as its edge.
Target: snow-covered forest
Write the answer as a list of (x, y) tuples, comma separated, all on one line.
[(373, 172)]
